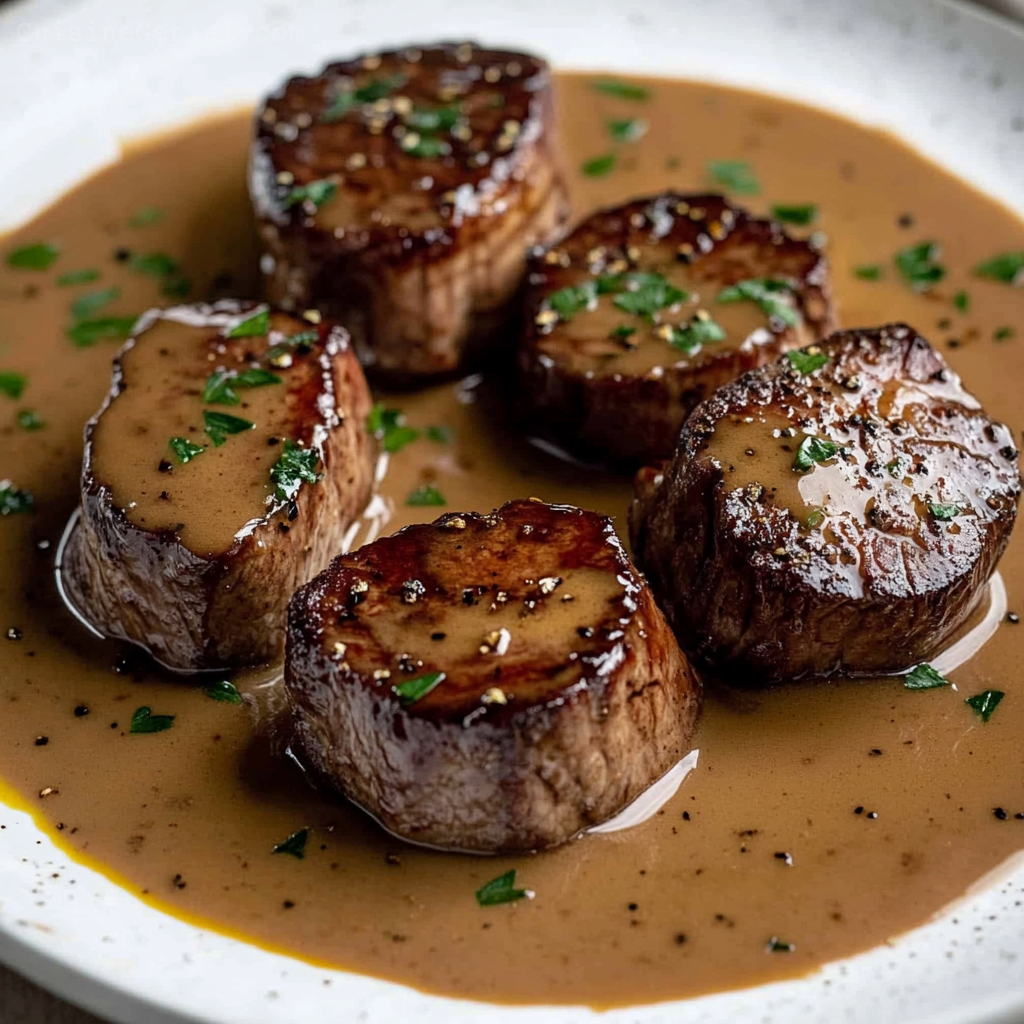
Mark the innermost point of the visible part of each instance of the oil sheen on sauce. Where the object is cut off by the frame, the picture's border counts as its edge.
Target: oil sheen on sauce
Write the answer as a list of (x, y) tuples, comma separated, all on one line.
[(831, 815)]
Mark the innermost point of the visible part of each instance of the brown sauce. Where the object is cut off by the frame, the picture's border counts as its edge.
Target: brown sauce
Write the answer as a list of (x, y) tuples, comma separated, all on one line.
[(882, 797)]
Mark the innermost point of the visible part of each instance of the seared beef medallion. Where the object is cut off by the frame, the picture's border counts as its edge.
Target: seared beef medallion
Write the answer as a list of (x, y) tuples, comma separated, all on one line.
[(400, 191), (642, 311), (221, 472), (837, 511), (488, 682)]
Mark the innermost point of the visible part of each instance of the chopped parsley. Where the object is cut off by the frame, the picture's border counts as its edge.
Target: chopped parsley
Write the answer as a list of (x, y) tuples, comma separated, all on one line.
[(439, 119), (255, 326), (220, 385), (219, 425), (295, 844), (776, 945), (868, 272), (573, 299), (800, 215), (626, 129), (699, 331), (78, 277), (1003, 333), (223, 691), (918, 265), (12, 384), (894, 467), (440, 435), (621, 90), (388, 426), (501, 890), (145, 721), (805, 362), (985, 703), (176, 287), (622, 333), (814, 518), (767, 293), (924, 677), (87, 333), (316, 193), (411, 690), (944, 512), (39, 256), (155, 264), (14, 501), (91, 302), (426, 495), (813, 450), (599, 166), (295, 466), (734, 175), (962, 302), (184, 449), (646, 293), (28, 419), (375, 89), (1007, 267), (427, 147), (145, 216)]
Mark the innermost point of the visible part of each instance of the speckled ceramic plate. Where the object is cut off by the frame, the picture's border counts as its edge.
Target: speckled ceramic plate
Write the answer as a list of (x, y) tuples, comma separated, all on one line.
[(79, 76)]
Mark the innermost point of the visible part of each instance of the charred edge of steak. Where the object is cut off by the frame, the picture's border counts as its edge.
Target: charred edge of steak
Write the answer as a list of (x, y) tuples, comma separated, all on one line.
[(463, 768), (757, 595), (626, 419)]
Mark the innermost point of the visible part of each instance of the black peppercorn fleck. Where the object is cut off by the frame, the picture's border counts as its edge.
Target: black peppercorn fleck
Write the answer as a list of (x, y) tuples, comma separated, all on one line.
[(1013, 618), (41, 741), (1000, 813), (81, 711)]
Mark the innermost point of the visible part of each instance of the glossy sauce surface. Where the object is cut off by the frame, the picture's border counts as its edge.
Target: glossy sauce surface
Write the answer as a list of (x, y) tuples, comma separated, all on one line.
[(830, 816)]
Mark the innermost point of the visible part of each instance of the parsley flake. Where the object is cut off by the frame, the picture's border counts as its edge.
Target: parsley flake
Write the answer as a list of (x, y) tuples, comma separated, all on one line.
[(388, 426), (868, 272), (573, 299), (316, 193), (646, 293), (599, 166), (944, 512), (621, 90), (144, 721), (1007, 267), (426, 495), (39, 256), (962, 302), (805, 362), (622, 333), (145, 216), (78, 277), (426, 147), (219, 425), (255, 326), (1003, 333), (411, 690), (501, 890), (295, 466), (924, 677), (295, 844), (699, 331), (813, 450), (918, 265), (800, 215), (375, 89), (12, 384), (626, 129), (28, 419), (184, 449), (985, 703), (85, 305), (155, 264), (220, 385), (734, 175), (14, 501), (223, 691), (767, 293), (87, 333), (439, 435)]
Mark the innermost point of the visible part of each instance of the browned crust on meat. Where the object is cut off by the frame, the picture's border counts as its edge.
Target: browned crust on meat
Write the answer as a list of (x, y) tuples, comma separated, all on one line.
[(456, 772), (423, 264), (753, 595), (193, 613), (630, 420)]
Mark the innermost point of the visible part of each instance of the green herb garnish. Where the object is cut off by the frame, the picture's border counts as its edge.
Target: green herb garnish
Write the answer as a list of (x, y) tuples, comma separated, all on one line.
[(814, 518), (918, 265), (985, 703), (87, 332), (295, 466), (573, 299), (868, 272), (1007, 267), (734, 175), (924, 677), (501, 890), (316, 193), (28, 419), (622, 333), (145, 216), (806, 362), (375, 89), (14, 501), (40, 256), (944, 512), (223, 691), (699, 331), (91, 302), (813, 450), (255, 326), (621, 90), (78, 277), (427, 147), (220, 386), (184, 449), (1003, 333), (426, 495), (295, 844), (176, 287), (894, 467), (440, 435), (626, 129), (388, 426), (145, 721), (155, 264), (12, 384), (439, 119), (411, 690), (801, 215), (767, 293), (962, 302), (219, 425), (647, 293), (776, 945), (599, 166)]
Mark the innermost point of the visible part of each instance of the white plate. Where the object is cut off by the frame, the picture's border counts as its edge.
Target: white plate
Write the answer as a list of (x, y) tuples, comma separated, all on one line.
[(76, 76)]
